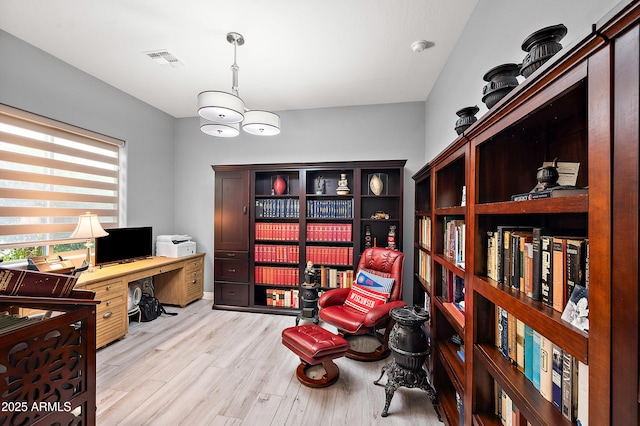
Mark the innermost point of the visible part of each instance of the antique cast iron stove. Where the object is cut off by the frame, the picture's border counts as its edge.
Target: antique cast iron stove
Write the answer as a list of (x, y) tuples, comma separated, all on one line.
[(410, 350)]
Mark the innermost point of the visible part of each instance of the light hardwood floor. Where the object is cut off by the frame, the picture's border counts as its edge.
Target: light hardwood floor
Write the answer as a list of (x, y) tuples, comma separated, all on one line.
[(213, 367)]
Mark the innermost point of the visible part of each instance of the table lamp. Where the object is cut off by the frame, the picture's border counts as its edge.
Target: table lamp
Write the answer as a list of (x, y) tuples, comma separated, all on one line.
[(88, 228)]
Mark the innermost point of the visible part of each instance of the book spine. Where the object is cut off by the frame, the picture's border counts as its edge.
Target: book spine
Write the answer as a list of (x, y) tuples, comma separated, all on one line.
[(559, 286), (546, 386), (512, 327), (575, 265), (528, 269), (504, 339), (535, 364), (582, 415), (536, 271), (528, 352), (507, 259), (546, 265), (520, 351), (569, 386), (556, 376)]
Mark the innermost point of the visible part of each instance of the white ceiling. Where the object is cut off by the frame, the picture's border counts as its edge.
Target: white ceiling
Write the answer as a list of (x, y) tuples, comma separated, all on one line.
[(298, 54)]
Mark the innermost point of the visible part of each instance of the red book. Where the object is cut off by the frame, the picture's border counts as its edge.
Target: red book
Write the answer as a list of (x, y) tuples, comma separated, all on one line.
[(24, 282)]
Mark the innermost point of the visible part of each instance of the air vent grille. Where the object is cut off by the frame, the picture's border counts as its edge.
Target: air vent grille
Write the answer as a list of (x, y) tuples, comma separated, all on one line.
[(164, 57)]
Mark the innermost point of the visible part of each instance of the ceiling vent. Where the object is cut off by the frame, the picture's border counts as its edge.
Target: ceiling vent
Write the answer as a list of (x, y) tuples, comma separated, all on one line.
[(163, 57)]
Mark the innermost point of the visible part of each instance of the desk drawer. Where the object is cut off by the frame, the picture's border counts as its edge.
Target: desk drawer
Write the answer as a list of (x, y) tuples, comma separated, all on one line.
[(234, 270), (193, 265), (107, 289), (154, 271), (231, 294), (225, 254), (111, 323)]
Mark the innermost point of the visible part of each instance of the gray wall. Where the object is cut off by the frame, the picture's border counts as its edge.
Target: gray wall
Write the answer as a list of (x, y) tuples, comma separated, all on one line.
[(376, 132), (493, 36), (37, 82)]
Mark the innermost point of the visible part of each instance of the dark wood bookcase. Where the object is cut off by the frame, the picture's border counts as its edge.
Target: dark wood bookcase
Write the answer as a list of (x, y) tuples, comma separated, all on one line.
[(580, 107), (263, 239)]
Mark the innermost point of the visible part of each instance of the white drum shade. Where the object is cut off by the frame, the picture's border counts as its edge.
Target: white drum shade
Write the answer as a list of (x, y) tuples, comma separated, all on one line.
[(221, 107), (262, 123), (223, 130)]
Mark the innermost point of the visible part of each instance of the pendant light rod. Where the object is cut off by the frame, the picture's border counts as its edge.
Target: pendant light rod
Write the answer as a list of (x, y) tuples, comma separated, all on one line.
[(237, 40)]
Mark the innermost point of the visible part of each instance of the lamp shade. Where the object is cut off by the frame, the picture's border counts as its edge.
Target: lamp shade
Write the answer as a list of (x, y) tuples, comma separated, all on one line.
[(88, 227), (221, 107), (222, 130), (262, 123)]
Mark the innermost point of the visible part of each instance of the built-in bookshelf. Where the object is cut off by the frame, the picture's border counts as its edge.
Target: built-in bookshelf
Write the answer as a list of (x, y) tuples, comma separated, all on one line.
[(521, 348), (326, 213)]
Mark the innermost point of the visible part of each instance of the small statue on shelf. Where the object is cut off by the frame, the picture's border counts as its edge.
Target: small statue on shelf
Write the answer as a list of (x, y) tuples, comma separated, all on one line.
[(367, 236), (310, 275), (343, 188), (391, 238), (320, 185)]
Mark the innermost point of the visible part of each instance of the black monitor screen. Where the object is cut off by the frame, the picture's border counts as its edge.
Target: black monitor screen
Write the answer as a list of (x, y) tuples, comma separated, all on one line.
[(124, 245)]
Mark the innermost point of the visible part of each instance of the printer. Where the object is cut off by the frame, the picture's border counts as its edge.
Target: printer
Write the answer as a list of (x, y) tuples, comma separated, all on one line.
[(175, 246)]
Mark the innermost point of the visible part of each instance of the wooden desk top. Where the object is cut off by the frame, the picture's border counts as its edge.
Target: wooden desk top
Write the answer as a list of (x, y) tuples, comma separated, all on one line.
[(138, 269)]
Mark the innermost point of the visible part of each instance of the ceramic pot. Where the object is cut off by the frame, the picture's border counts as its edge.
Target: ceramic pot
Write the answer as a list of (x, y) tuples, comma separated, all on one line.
[(500, 81), (467, 118), (547, 176), (279, 186), (540, 47)]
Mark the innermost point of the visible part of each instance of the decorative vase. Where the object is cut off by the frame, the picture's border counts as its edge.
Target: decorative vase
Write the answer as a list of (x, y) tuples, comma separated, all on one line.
[(376, 184), (279, 185), (547, 176), (342, 188), (501, 80), (540, 47), (391, 238), (467, 118)]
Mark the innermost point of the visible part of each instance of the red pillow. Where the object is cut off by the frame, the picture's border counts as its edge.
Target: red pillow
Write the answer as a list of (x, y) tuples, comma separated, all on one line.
[(364, 299)]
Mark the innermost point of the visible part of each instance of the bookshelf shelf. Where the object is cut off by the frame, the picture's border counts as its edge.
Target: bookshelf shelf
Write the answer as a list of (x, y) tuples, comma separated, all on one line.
[(581, 108)]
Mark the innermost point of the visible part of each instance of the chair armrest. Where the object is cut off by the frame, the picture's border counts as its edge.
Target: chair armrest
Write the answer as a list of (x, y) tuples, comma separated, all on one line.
[(333, 297), (380, 313)]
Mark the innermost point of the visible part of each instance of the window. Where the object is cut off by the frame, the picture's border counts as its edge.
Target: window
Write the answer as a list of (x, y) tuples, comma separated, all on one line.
[(51, 173)]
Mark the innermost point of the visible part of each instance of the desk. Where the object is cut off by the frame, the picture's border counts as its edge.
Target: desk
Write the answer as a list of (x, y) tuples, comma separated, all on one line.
[(177, 281)]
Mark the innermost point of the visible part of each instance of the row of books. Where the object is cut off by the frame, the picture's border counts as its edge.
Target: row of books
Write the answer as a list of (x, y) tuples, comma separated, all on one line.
[(277, 275), (277, 231), (280, 298), (329, 231), (334, 278), (555, 373), (278, 208), (276, 253), (342, 209), (424, 266), (452, 287), (321, 255), (424, 232), (454, 240), (543, 264)]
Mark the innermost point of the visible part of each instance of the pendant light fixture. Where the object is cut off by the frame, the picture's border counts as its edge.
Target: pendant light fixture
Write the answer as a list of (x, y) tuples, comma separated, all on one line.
[(221, 112)]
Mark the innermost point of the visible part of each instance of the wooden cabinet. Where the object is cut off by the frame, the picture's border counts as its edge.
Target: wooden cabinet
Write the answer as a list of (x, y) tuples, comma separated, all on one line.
[(111, 314), (300, 212), (582, 107)]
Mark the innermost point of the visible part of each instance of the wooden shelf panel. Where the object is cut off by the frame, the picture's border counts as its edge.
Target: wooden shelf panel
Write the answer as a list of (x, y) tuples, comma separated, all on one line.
[(522, 392), (453, 364), (574, 204), (451, 211), (541, 318), (426, 286), (453, 320), (446, 262)]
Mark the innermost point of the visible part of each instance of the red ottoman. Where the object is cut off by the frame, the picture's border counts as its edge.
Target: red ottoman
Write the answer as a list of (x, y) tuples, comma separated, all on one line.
[(315, 345)]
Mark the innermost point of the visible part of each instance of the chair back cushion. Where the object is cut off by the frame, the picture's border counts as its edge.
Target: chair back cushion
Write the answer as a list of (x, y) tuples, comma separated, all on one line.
[(384, 263)]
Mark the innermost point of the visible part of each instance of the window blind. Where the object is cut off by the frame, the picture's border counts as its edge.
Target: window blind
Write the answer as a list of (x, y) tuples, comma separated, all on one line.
[(51, 173)]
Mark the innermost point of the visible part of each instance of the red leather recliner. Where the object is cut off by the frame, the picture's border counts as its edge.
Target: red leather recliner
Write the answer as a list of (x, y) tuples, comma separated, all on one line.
[(349, 321)]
